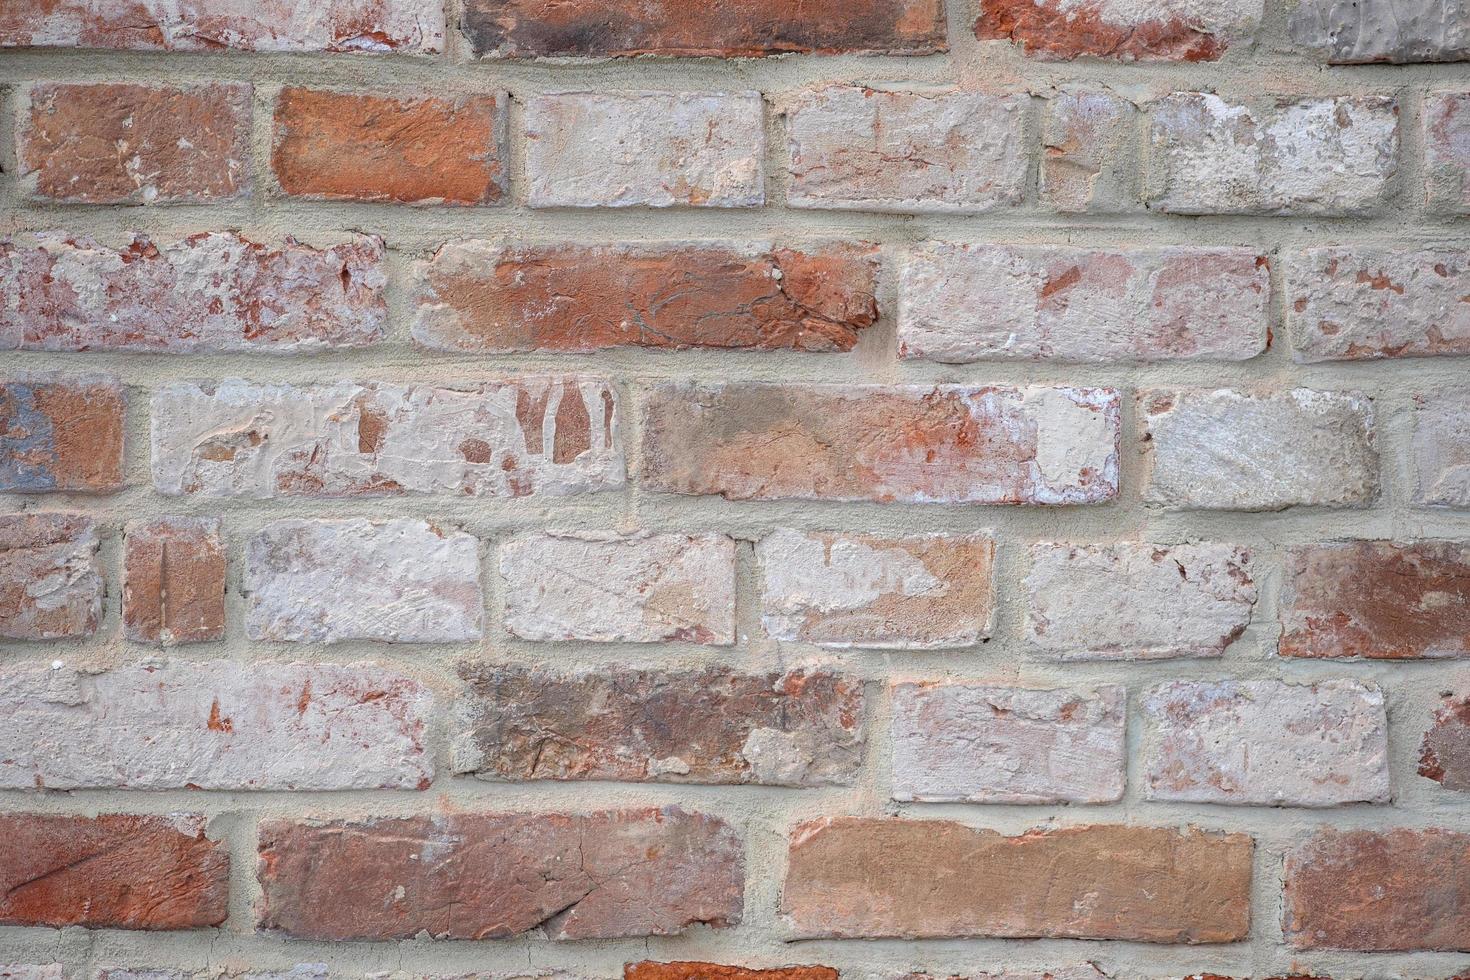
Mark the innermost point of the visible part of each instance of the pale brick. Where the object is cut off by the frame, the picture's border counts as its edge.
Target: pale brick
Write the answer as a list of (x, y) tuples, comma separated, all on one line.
[(1447, 150), (209, 292), (37, 971), (608, 588), (409, 26), (1137, 601), (51, 584), (513, 438), (1442, 448), (902, 443), (971, 743), (1266, 743), (1088, 162), (645, 149), (799, 728), (1395, 31), (960, 303), (1309, 156), (921, 592), (1351, 304), (1241, 450), (1444, 754), (62, 432), (214, 725), (400, 581), (1126, 30), (174, 581), (856, 148)]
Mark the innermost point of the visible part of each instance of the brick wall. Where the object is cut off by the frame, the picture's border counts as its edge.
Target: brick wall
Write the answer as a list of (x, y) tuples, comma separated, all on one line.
[(864, 489)]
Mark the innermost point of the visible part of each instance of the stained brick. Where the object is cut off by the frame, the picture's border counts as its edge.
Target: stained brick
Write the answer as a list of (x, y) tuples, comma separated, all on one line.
[(1088, 163), (174, 581), (1167, 30), (1441, 448), (687, 970), (1395, 31), (62, 432), (1444, 754), (1447, 150), (51, 584)]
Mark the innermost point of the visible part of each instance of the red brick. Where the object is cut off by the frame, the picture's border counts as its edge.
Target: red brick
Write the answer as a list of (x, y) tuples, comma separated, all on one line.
[(62, 433), (1379, 890), (752, 28), (373, 147), (1166, 30), (685, 970), (1377, 600), (477, 296), (912, 443), (51, 585), (111, 872), (857, 877), (135, 144), (174, 581), (1444, 755), (608, 875)]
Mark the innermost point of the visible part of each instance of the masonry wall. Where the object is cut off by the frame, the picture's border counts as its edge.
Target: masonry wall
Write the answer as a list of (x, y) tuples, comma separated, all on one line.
[(857, 488)]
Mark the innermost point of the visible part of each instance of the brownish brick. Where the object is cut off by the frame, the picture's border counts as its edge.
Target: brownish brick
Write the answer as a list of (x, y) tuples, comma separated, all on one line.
[(174, 581), (1444, 755), (62, 432), (50, 583)]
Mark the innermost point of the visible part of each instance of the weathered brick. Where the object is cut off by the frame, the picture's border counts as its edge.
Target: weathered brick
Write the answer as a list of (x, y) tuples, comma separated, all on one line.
[(608, 875), (910, 443), (410, 149), (612, 588), (1396, 31), (1088, 164), (400, 581), (135, 144), (1444, 754), (921, 592), (863, 149), (208, 25), (51, 585), (645, 149), (214, 725), (1134, 600), (1164, 30), (973, 743), (686, 970), (1079, 971), (1353, 304), (209, 292), (1442, 448), (480, 296), (960, 303), (513, 438), (1244, 450), (1307, 156), (1266, 743), (671, 28), (1377, 599), (111, 872), (1447, 150), (712, 726), (55, 971), (1365, 890), (912, 879), (62, 432), (174, 581)]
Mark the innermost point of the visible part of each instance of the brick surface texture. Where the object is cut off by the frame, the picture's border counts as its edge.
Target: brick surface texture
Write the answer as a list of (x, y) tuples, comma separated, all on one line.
[(734, 490)]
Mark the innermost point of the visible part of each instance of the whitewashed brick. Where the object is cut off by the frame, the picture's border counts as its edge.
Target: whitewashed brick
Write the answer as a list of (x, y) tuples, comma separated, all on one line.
[(1088, 162), (1442, 448)]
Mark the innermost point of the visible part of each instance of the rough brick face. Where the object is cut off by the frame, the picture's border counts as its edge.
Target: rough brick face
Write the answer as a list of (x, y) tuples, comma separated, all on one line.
[(607, 875), (607, 588), (214, 291), (1447, 150), (1378, 600), (479, 296), (51, 584), (62, 432), (962, 303), (1291, 156), (135, 144), (1441, 447), (1137, 601), (1266, 743), (648, 149), (864, 590), (971, 743), (214, 726), (861, 877), (111, 872), (533, 435), (1168, 30), (686, 970), (944, 444), (1379, 890), (711, 726), (174, 581), (1444, 754), (1358, 304), (863, 149), (1241, 450), (1088, 163), (376, 147), (1396, 31)]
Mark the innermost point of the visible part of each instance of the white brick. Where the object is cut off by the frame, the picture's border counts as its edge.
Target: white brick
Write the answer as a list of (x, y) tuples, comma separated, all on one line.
[(1442, 448)]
